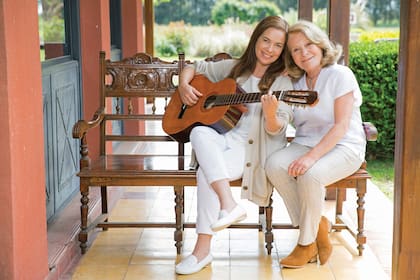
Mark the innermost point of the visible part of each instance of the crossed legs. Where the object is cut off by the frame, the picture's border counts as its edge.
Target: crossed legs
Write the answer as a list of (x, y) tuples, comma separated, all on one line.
[(220, 160)]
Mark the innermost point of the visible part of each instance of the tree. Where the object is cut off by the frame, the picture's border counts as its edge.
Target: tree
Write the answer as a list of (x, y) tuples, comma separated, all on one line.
[(244, 12), (286, 5), (195, 12), (384, 12)]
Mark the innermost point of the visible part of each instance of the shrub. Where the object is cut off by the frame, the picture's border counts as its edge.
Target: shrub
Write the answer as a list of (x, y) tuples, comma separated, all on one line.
[(226, 9), (53, 29), (376, 68), (242, 11), (174, 39), (258, 10)]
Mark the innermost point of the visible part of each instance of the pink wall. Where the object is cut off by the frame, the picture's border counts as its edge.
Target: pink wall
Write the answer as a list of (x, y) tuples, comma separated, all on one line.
[(23, 229), (23, 232), (94, 37), (132, 27)]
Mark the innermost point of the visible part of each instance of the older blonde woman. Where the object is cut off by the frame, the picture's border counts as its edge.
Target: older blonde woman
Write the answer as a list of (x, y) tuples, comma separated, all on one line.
[(329, 143)]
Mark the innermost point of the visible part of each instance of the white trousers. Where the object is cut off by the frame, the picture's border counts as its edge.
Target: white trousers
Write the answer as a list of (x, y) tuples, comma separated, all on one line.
[(304, 195), (219, 157)]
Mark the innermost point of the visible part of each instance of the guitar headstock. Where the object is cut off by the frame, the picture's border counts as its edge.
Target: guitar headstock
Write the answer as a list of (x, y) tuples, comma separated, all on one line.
[(300, 97)]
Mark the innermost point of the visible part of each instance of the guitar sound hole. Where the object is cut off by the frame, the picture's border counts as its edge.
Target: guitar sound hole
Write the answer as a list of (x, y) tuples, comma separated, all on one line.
[(210, 102)]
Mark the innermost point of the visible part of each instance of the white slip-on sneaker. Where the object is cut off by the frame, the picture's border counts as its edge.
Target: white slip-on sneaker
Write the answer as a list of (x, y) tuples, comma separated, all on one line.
[(236, 215), (190, 264)]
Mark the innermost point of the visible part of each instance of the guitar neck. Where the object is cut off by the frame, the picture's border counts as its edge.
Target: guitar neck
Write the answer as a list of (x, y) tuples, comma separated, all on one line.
[(242, 98)]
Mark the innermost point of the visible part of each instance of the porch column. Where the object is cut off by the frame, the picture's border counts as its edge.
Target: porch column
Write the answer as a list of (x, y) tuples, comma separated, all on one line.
[(406, 245), (305, 8), (132, 27), (23, 231), (95, 35), (133, 42), (149, 22), (339, 24)]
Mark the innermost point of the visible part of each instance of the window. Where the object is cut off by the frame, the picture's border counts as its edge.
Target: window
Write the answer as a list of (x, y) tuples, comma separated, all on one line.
[(53, 37)]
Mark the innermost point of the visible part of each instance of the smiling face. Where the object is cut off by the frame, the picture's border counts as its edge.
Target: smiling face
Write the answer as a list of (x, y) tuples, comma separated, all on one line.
[(306, 54), (268, 48)]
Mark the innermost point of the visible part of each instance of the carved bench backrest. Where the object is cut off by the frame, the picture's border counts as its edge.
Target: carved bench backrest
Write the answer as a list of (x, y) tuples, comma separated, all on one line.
[(134, 91)]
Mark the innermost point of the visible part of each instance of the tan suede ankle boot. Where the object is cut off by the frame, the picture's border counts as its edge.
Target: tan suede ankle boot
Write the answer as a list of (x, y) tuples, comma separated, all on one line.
[(323, 240), (300, 256)]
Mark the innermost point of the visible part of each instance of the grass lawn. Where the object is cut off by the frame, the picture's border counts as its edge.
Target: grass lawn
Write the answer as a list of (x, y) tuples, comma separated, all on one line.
[(382, 172)]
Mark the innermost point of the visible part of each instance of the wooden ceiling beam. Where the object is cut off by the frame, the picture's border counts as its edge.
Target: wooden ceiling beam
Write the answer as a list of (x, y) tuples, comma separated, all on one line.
[(149, 21)]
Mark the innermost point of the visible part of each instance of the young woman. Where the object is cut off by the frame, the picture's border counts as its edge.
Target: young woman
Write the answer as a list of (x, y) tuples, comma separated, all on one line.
[(329, 143), (242, 151)]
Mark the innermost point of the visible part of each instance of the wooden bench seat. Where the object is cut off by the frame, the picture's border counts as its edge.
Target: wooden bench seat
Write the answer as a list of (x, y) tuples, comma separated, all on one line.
[(127, 87)]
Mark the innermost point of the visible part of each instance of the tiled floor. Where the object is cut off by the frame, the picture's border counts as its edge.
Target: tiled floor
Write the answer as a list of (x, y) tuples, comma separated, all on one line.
[(123, 254), (238, 253)]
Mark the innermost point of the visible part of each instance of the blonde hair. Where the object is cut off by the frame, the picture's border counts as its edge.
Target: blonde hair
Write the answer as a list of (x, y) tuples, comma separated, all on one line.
[(331, 52)]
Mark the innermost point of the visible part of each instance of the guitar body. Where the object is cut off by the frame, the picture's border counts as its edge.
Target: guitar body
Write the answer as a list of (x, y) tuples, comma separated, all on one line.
[(178, 124)]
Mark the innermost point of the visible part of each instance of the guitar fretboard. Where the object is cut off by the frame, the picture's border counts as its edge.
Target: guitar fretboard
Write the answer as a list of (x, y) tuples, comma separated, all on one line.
[(292, 97), (231, 99)]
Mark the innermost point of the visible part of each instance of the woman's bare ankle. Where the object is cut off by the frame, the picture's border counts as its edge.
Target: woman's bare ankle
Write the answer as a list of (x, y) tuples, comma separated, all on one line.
[(229, 206), (202, 246), (201, 253)]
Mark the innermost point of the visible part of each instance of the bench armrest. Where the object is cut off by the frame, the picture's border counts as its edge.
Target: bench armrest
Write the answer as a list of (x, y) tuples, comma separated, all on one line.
[(81, 127), (370, 131), (79, 132)]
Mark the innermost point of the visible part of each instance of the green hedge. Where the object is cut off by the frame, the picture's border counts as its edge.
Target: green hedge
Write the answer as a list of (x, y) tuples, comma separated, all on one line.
[(251, 12), (376, 68)]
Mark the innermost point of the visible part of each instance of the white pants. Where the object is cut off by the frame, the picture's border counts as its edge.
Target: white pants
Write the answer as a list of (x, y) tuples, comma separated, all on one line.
[(219, 157), (304, 195)]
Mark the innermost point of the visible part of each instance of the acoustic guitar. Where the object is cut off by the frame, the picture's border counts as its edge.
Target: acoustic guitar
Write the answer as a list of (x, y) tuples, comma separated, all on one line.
[(217, 109)]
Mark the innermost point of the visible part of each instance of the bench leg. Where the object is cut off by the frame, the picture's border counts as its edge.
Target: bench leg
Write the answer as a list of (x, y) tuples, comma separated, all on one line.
[(361, 237), (179, 217), (261, 218), (104, 203), (269, 226), (84, 210), (341, 196)]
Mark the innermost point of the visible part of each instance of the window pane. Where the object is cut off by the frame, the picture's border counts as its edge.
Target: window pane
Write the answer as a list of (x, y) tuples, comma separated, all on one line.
[(52, 31)]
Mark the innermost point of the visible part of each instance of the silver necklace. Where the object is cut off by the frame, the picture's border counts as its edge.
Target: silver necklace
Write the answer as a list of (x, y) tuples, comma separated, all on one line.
[(310, 82)]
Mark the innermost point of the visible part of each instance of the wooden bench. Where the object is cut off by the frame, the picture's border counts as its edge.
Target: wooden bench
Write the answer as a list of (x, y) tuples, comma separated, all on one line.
[(133, 95)]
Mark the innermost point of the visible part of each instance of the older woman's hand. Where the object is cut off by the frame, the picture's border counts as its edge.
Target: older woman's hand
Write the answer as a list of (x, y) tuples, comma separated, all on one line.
[(301, 165)]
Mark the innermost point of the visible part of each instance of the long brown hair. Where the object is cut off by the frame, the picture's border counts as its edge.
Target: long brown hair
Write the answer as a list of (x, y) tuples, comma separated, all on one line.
[(247, 62)]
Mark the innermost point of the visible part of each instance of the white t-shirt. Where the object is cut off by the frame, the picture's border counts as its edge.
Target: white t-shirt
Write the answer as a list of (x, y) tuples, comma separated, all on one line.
[(240, 131), (312, 123)]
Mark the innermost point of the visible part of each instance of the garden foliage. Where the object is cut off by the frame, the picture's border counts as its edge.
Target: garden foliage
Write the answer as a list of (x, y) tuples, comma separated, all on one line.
[(251, 12), (376, 68)]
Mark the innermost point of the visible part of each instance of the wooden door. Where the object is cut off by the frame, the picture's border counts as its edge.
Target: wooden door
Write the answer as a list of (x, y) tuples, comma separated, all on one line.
[(61, 91)]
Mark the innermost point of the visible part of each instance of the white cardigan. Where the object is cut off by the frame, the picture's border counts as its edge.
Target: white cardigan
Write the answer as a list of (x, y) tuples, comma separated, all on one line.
[(255, 185)]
